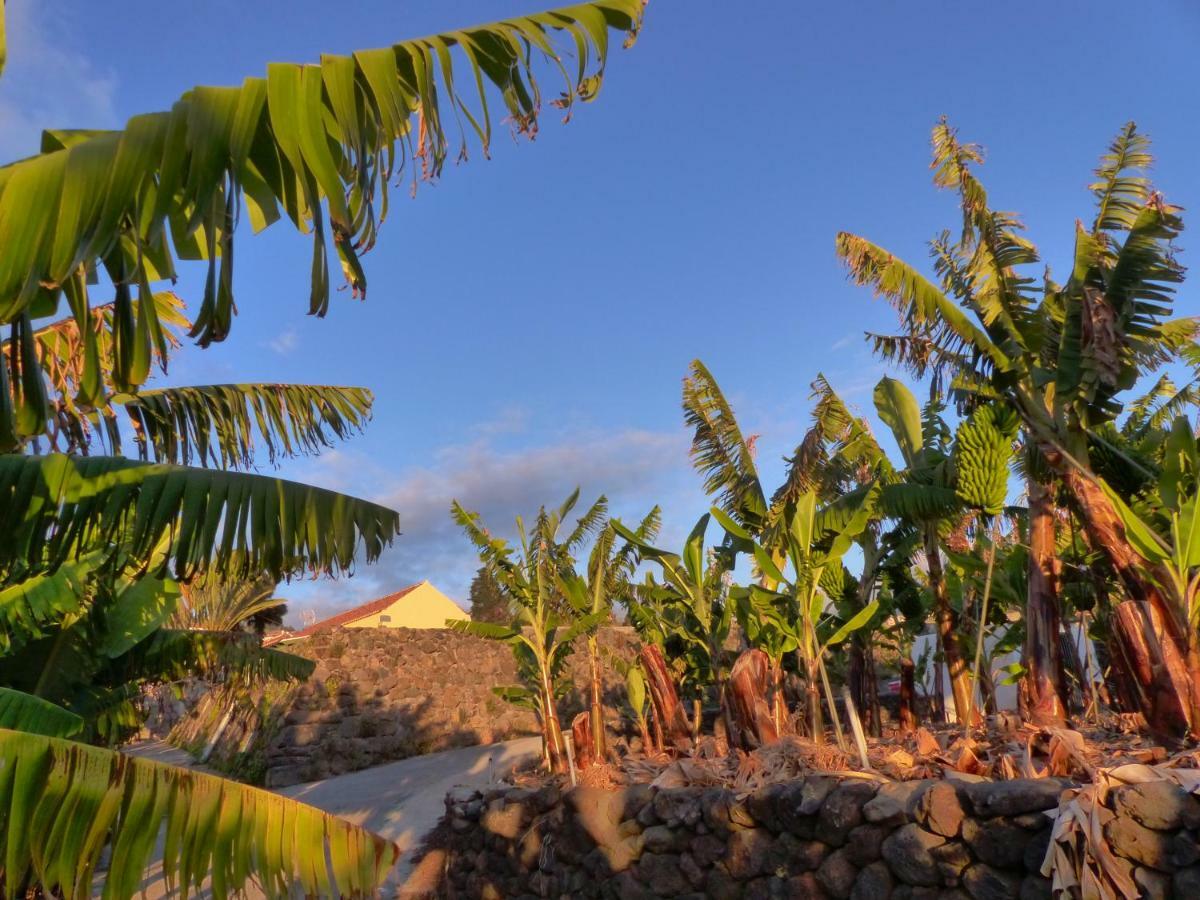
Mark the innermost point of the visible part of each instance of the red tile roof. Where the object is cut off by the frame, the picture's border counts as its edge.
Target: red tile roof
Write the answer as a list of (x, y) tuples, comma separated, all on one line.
[(359, 612)]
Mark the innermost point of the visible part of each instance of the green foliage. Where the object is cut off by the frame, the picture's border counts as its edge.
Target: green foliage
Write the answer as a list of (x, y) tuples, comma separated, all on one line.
[(55, 507), (316, 144), (83, 799), (488, 602)]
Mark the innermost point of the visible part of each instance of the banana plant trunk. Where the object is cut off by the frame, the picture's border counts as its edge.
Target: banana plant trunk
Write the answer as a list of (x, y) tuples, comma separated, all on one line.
[(599, 742), (664, 697), (581, 738), (1044, 681), (752, 722), (552, 733), (1157, 652), (960, 680), (908, 695)]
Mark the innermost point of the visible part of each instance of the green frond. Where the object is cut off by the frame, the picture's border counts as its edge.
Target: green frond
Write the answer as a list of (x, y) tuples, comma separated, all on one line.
[(719, 451), (920, 502), (1120, 190), (589, 523), (924, 310), (982, 266), (32, 605), (215, 603), (77, 352), (318, 144), (84, 800), (24, 712), (53, 508), (219, 425), (489, 630), (179, 653), (626, 558)]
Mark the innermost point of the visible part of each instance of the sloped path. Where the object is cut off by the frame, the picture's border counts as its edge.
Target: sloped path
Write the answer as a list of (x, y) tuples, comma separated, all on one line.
[(401, 801)]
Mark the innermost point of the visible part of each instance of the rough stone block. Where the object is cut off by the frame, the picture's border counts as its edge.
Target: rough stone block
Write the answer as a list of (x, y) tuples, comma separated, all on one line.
[(939, 810), (906, 851), (837, 874), (982, 882)]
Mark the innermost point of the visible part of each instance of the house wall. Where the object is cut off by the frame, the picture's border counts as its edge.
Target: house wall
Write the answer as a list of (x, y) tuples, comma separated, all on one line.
[(422, 607)]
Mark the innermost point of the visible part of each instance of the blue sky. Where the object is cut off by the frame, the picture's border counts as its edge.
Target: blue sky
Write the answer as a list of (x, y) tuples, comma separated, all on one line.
[(530, 317)]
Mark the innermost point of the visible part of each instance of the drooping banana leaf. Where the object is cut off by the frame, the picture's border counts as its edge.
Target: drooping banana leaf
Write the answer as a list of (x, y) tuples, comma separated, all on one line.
[(317, 143), (80, 799), (25, 712), (221, 425), (55, 507)]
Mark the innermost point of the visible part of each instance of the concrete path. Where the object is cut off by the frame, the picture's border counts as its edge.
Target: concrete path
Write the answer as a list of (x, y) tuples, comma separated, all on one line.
[(401, 801), (161, 751)]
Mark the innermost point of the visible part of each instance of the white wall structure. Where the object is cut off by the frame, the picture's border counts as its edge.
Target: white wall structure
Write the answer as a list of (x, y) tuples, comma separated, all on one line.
[(1006, 694)]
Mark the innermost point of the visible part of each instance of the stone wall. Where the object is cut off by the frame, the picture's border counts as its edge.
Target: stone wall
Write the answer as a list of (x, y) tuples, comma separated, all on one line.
[(817, 837), (382, 694)]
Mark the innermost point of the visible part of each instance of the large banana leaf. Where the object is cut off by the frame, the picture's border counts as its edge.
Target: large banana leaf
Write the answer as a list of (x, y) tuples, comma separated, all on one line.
[(78, 800), (317, 143), (719, 450), (26, 712), (53, 508), (219, 424), (33, 604)]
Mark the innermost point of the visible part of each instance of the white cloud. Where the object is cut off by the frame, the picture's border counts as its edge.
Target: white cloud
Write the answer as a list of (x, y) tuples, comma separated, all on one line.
[(48, 82), (285, 342), (635, 469)]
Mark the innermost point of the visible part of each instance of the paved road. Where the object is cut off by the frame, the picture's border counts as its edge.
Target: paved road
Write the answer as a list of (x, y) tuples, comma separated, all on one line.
[(402, 801)]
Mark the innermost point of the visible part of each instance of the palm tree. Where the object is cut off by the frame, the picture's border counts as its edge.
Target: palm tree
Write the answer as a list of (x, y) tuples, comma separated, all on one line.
[(95, 546), (1061, 361)]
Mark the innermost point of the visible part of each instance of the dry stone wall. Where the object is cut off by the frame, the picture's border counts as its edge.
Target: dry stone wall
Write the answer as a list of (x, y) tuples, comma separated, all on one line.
[(812, 838), (382, 694)]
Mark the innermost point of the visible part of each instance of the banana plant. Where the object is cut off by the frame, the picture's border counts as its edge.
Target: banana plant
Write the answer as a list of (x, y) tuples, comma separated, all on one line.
[(695, 611), (996, 327), (610, 567), (1165, 531), (945, 478), (542, 634), (796, 614)]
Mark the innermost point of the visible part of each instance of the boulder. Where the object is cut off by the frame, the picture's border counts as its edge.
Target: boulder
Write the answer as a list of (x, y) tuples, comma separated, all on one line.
[(842, 811), (864, 844), (891, 803), (664, 839), (940, 811), (1162, 805), (746, 853), (952, 859), (837, 874), (982, 882), (1134, 841), (874, 882), (1035, 887), (997, 842), (794, 855), (1012, 798), (906, 851), (661, 873)]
